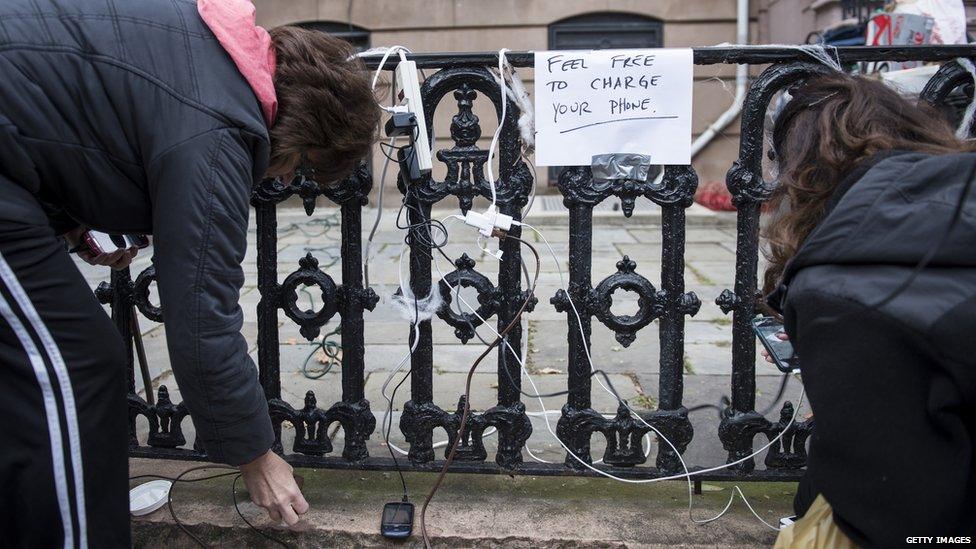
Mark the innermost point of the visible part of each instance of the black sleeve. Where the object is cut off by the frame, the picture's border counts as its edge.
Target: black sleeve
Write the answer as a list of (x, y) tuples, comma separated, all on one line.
[(890, 440), (200, 191)]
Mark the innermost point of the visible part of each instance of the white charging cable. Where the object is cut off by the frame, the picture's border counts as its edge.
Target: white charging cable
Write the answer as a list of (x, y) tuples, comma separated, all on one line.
[(376, 220), (502, 60), (402, 51), (487, 222), (488, 432), (687, 474), (385, 420), (544, 412), (387, 52)]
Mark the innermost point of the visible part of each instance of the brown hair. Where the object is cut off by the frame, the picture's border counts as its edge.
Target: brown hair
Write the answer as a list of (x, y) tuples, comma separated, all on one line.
[(326, 109), (830, 125)]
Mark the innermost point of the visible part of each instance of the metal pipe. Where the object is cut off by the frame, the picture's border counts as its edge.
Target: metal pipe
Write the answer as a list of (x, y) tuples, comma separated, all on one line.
[(741, 79), (756, 54)]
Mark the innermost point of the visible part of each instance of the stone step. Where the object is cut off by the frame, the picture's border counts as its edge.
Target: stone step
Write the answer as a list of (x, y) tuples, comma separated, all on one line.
[(470, 511), (548, 210)]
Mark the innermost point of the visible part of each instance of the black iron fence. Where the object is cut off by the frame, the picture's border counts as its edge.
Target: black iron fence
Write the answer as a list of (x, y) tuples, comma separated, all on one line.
[(465, 76)]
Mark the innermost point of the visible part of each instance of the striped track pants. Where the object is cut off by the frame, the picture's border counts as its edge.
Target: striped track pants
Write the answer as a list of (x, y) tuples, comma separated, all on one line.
[(63, 425)]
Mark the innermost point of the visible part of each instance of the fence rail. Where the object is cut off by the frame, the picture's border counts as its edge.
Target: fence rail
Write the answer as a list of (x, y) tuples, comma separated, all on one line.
[(464, 76)]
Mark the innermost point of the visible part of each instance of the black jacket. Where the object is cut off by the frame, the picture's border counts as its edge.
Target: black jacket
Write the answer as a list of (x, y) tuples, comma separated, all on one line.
[(892, 388), (131, 117)]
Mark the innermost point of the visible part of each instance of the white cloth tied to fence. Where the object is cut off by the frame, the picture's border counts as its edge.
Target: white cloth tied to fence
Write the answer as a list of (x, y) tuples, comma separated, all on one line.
[(416, 310), (825, 54), (515, 91)]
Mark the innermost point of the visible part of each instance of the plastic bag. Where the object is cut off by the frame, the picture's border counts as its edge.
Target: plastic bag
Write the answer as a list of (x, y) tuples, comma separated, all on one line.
[(949, 16), (816, 530)]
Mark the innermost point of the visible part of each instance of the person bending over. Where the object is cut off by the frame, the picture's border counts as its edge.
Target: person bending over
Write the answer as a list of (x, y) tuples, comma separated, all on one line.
[(874, 272), (148, 116)]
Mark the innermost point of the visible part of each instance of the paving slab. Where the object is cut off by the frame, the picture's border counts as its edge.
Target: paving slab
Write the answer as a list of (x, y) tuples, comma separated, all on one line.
[(655, 235), (707, 349), (711, 273), (548, 212), (707, 251)]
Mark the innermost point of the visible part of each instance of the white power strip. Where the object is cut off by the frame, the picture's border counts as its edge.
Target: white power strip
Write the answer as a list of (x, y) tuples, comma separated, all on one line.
[(409, 86)]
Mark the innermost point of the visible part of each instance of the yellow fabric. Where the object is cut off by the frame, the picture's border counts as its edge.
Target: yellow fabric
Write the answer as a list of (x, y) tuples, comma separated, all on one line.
[(816, 530)]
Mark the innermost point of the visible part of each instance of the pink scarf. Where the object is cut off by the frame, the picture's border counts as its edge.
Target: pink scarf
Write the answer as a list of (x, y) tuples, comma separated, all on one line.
[(249, 46)]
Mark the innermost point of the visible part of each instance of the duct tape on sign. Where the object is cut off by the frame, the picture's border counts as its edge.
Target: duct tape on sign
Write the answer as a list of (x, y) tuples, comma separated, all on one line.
[(613, 101)]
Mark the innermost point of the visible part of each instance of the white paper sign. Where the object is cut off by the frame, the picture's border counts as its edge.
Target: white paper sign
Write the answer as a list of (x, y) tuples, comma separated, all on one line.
[(613, 101)]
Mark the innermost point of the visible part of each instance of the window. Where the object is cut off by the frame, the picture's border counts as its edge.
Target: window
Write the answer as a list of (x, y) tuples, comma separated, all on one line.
[(599, 31), (606, 31)]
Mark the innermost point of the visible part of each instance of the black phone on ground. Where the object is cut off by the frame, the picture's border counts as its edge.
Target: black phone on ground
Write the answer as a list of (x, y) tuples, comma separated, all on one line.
[(397, 520)]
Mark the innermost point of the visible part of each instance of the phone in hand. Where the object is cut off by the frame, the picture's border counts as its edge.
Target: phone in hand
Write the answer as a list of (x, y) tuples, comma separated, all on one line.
[(397, 521), (767, 328), (97, 243)]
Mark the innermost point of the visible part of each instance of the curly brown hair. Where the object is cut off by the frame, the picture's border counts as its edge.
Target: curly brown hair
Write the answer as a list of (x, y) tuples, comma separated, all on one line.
[(831, 124), (326, 108)]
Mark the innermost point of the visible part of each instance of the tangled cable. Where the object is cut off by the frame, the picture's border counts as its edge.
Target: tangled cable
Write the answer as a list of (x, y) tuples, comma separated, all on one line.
[(467, 390), (233, 471)]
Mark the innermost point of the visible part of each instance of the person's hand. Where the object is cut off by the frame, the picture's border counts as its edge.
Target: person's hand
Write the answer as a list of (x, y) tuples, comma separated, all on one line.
[(783, 337), (116, 260), (271, 483)]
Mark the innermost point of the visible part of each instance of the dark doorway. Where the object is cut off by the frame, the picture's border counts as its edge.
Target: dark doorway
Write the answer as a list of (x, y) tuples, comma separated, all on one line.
[(601, 31), (357, 36)]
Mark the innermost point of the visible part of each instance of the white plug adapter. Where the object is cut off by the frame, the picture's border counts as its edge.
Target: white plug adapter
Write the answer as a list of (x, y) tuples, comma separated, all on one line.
[(487, 222)]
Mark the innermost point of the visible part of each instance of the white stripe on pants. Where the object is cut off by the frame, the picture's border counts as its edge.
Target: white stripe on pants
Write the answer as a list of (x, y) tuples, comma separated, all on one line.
[(67, 397)]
